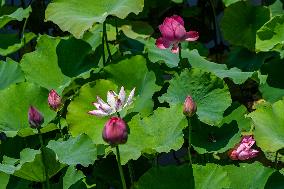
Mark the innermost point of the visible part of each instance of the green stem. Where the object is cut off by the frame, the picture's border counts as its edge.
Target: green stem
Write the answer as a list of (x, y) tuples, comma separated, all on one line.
[(103, 45), (116, 28), (276, 160), (120, 168), (189, 140), (106, 40), (43, 158), (131, 172), (179, 52)]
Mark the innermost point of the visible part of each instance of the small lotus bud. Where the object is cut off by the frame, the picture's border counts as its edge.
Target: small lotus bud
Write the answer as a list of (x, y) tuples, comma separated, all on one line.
[(189, 107), (54, 100), (35, 118), (115, 131)]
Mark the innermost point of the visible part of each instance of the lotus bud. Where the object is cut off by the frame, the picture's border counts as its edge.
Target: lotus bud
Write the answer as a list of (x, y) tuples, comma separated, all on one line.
[(54, 100), (189, 107), (115, 131), (35, 118)]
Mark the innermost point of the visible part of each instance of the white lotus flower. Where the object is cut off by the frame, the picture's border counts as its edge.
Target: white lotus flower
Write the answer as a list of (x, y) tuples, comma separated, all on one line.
[(115, 103)]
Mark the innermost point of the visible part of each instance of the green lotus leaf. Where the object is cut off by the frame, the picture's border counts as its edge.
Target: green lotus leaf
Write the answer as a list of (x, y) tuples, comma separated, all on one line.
[(160, 132), (270, 35), (10, 72), (15, 101), (78, 119), (250, 176), (78, 150), (30, 165), (139, 77), (19, 15), (269, 126), (41, 66), (238, 29), (78, 17), (210, 93), (71, 177)]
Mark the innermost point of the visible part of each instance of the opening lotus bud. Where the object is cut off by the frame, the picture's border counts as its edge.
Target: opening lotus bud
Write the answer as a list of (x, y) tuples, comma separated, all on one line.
[(35, 118), (54, 100), (189, 107), (115, 131)]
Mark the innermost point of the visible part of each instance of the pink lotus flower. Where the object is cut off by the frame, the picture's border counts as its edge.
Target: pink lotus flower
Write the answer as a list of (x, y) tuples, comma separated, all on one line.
[(115, 103), (54, 100), (35, 118), (243, 151), (173, 32), (115, 131)]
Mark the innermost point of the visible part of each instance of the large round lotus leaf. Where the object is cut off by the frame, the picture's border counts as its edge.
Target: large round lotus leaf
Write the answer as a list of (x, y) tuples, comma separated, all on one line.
[(139, 77), (79, 16), (19, 15), (41, 65), (15, 101), (160, 132), (210, 93), (269, 126), (241, 21), (166, 178), (271, 34), (249, 176), (30, 165), (78, 119)]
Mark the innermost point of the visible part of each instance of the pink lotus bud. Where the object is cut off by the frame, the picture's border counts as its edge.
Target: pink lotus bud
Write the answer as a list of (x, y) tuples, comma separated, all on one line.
[(189, 107), (243, 151), (115, 131), (35, 118), (54, 100)]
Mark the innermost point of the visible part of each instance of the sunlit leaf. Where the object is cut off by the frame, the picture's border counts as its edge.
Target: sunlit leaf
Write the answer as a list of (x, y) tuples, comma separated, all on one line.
[(269, 126), (41, 66), (159, 132), (15, 102), (77, 17), (78, 119), (30, 165), (209, 92), (71, 177), (19, 15), (139, 77), (79, 150), (10, 72)]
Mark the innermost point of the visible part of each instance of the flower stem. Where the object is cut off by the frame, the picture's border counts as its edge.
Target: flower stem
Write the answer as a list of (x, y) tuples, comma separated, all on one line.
[(276, 160), (43, 158), (131, 172), (120, 168), (106, 40), (189, 140), (103, 45), (179, 52)]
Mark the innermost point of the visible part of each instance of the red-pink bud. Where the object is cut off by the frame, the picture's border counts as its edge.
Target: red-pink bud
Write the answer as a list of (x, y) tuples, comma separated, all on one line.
[(54, 100), (35, 118), (189, 107), (115, 131)]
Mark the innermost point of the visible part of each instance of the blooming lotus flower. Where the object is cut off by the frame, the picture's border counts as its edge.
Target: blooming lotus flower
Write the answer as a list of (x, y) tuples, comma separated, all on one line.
[(54, 100), (115, 131), (35, 118), (243, 151), (115, 103), (189, 107), (173, 32)]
